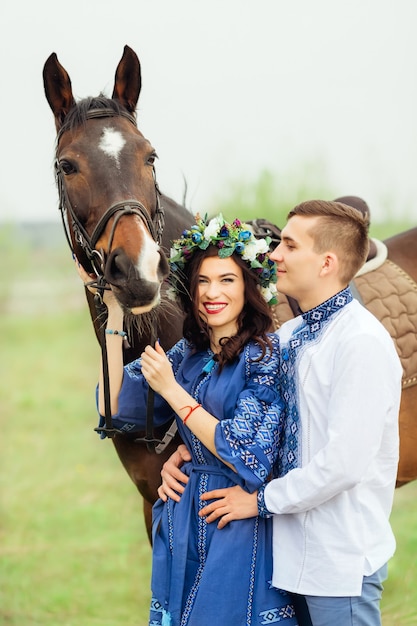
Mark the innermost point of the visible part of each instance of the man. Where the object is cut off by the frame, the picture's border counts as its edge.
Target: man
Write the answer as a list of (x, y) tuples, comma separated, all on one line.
[(341, 380)]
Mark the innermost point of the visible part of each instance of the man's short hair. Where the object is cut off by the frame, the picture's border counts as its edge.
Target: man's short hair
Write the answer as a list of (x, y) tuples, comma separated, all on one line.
[(340, 229)]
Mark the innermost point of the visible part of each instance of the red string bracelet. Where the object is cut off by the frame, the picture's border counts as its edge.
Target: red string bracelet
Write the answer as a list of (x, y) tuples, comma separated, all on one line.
[(192, 408)]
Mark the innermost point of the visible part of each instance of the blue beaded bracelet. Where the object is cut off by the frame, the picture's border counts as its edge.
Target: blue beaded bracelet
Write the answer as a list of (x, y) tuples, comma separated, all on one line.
[(116, 332)]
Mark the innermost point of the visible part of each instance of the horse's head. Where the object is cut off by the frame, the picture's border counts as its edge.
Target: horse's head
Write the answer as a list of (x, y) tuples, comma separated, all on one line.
[(106, 181)]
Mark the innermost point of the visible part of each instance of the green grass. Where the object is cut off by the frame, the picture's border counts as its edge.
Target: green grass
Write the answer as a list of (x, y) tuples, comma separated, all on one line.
[(74, 550), (400, 595)]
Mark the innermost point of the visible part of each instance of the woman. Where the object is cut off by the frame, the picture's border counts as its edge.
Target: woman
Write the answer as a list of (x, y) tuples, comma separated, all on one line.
[(220, 383)]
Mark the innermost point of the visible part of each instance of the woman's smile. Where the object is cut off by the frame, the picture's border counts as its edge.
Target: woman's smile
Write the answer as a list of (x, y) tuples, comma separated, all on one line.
[(214, 307)]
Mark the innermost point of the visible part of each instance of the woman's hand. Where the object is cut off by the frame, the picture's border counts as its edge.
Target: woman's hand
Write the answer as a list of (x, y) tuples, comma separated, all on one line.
[(157, 370), (85, 276), (89, 281)]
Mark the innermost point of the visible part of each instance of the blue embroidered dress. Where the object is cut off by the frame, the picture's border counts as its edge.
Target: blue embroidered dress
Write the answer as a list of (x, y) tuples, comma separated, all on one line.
[(201, 575)]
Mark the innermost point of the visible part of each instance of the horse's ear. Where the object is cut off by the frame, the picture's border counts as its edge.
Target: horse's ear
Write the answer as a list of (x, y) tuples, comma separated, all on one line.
[(58, 90), (128, 81)]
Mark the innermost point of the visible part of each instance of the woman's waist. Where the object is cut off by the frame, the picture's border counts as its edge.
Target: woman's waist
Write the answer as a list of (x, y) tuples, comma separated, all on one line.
[(213, 474), (207, 468)]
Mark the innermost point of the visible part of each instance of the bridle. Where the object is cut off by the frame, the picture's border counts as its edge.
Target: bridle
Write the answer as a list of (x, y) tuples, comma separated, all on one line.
[(97, 260), (70, 220)]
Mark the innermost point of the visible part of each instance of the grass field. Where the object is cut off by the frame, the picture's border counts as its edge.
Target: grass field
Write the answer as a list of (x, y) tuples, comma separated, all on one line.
[(73, 546)]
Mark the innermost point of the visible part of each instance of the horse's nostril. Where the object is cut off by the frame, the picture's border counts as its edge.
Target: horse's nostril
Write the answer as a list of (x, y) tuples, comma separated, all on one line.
[(118, 267), (163, 268)]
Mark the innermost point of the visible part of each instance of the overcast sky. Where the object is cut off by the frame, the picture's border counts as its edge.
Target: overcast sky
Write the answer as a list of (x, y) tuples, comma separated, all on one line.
[(229, 87)]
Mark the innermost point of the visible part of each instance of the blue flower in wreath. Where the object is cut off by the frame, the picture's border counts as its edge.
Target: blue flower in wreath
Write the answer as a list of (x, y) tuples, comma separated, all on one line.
[(196, 237), (244, 235)]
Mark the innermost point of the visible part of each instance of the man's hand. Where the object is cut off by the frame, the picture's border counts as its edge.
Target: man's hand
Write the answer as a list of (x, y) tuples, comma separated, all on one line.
[(173, 480), (230, 504)]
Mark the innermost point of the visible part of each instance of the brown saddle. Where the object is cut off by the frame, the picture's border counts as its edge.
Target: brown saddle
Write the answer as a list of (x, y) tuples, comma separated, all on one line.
[(391, 295)]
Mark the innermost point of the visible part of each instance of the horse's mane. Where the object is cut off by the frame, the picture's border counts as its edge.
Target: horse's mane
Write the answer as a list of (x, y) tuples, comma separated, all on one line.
[(78, 115)]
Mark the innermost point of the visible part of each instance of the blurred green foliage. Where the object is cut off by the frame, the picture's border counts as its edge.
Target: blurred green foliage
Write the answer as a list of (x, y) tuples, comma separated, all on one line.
[(272, 196)]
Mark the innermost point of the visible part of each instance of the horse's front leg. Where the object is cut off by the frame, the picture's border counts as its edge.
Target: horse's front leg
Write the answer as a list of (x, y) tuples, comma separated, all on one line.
[(144, 469)]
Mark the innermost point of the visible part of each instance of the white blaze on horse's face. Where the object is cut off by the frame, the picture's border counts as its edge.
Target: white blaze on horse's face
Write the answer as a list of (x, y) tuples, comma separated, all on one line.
[(147, 267), (112, 143)]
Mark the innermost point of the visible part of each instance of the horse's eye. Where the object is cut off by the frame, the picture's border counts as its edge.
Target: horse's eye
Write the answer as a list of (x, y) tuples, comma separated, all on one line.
[(152, 158), (67, 167)]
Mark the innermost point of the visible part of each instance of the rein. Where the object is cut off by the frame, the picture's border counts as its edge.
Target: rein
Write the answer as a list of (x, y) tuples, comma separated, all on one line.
[(97, 258)]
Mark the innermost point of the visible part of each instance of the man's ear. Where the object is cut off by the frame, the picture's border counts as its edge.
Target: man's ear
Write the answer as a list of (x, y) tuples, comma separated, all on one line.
[(330, 264)]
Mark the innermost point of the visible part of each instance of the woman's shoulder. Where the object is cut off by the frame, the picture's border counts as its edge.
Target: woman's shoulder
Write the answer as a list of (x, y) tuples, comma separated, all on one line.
[(263, 358), (262, 368), (180, 348), (274, 339), (254, 346)]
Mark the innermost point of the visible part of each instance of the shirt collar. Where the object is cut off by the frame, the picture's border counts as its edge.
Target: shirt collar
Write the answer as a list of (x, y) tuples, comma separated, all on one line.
[(326, 309)]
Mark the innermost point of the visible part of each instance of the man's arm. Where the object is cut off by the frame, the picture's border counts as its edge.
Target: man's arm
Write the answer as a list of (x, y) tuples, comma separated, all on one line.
[(173, 479), (231, 503)]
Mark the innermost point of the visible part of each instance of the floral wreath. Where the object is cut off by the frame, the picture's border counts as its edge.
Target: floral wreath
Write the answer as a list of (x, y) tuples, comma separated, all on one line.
[(228, 238)]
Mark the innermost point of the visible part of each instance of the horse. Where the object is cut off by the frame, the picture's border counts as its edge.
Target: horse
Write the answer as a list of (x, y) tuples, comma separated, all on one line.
[(114, 216), (119, 226)]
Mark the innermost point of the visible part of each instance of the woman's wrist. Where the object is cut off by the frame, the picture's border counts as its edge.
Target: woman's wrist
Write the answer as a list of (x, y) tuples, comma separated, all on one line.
[(116, 332), (115, 318), (189, 410), (177, 398)]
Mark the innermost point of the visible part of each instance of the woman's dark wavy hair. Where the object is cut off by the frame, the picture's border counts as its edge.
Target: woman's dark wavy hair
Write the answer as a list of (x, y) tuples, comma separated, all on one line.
[(254, 322)]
